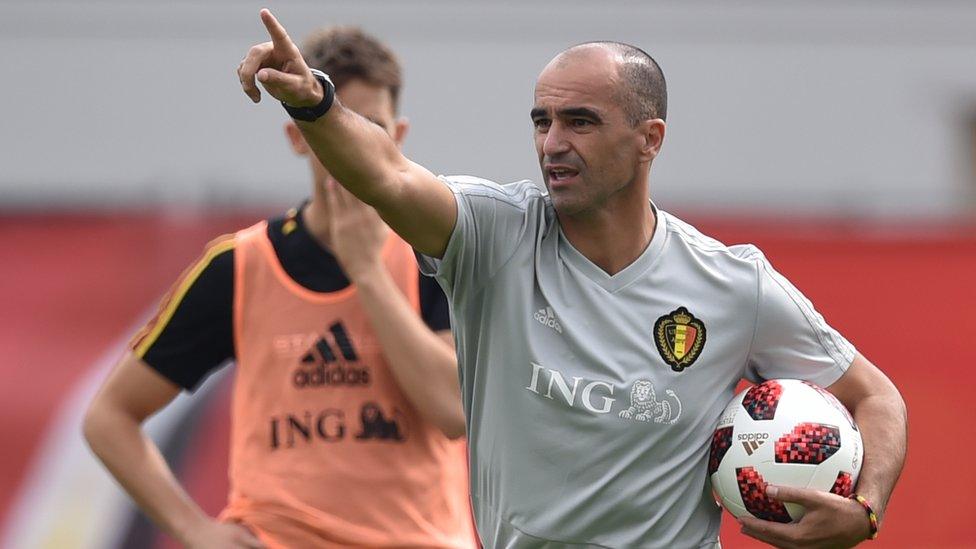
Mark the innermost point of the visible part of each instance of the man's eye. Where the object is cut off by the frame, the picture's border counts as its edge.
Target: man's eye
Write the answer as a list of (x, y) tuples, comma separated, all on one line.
[(541, 124), (581, 123)]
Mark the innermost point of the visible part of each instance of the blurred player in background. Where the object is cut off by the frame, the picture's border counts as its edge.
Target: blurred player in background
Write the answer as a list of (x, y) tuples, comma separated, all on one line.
[(599, 337), (345, 399)]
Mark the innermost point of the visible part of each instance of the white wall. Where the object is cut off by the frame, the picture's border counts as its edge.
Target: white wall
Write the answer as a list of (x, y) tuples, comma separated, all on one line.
[(854, 108)]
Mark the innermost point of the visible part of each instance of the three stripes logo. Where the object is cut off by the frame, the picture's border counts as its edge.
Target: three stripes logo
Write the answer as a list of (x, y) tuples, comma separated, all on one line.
[(752, 441), (338, 332), (328, 363), (751, 445)]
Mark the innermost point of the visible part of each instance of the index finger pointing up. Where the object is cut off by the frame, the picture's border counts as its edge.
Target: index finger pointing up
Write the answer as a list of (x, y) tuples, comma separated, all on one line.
[(278, 34)]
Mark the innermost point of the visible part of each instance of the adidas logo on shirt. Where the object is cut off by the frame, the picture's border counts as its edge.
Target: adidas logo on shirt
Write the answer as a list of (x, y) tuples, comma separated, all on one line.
[(546, 317), (321, 367)]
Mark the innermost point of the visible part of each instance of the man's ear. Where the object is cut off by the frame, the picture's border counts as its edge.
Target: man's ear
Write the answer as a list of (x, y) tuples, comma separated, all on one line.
[(296, 139), (652, 137), (400, 129)]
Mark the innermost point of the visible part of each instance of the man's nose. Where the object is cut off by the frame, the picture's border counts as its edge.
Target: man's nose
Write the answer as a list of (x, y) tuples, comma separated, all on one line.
[(555, 142)]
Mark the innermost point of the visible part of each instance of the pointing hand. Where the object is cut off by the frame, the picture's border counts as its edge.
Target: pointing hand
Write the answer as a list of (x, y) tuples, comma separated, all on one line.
[(280, 68)]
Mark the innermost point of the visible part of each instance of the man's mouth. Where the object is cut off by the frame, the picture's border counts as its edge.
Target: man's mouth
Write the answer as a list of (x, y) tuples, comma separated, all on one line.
[(561, 174)]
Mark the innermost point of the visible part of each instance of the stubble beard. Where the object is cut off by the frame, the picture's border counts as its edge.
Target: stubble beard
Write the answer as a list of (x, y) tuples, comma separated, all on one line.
[(574, 202)]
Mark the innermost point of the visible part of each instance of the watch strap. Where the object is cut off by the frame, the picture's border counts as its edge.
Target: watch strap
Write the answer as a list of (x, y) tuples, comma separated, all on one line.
[(311, 114)]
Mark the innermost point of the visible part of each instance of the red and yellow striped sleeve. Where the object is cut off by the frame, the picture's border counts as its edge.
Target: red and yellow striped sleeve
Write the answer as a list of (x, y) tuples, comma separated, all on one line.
[(147, 336)]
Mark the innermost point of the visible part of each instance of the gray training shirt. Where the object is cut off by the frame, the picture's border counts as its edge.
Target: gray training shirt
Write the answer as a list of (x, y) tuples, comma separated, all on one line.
[(591, 399)]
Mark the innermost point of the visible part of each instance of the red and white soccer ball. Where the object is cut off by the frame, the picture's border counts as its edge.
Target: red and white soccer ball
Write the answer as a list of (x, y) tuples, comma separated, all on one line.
[(785, 432)]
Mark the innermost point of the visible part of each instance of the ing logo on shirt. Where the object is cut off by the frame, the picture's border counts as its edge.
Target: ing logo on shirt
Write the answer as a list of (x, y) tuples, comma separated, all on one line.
[(305, 429), (376, 425), (644, 405), (321, 367), (597, 396)]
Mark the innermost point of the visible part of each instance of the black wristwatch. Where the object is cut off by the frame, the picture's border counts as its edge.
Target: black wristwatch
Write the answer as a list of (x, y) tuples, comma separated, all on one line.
[(311, 114)]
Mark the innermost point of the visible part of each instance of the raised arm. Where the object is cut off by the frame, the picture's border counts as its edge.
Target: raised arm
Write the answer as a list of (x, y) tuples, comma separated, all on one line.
[(359, 154)]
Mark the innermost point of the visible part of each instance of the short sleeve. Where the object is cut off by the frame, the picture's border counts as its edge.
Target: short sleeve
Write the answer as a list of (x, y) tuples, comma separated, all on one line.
[(491, 222), (791, 339), (191, 334)]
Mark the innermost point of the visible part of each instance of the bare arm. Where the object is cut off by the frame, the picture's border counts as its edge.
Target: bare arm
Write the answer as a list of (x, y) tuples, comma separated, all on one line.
[(360, 155), (113, 429), (881, 416), (423, 363)]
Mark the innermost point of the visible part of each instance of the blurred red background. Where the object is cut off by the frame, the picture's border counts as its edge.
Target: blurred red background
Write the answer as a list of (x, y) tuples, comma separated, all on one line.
[(72, 285)]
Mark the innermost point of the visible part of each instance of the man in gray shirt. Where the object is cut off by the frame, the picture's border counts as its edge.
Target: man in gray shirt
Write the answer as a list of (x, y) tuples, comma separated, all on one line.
[(598, 337)]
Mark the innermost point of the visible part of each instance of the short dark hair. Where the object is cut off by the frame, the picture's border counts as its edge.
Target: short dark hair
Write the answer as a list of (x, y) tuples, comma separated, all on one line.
[(348, 53), (645, 92)]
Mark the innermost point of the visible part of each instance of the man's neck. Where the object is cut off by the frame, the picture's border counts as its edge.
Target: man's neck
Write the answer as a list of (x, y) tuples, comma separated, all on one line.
[(315, 217), (613, 237)]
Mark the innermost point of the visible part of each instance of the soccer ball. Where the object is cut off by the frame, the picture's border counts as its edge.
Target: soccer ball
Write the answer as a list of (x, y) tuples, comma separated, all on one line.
[(785, 432)]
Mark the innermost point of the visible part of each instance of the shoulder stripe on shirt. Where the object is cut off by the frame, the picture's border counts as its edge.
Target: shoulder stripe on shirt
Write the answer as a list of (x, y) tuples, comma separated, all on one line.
[(168, 305)]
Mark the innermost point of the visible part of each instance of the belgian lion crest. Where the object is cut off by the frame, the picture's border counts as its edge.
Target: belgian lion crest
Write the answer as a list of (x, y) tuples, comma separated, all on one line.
[(644, 405)]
